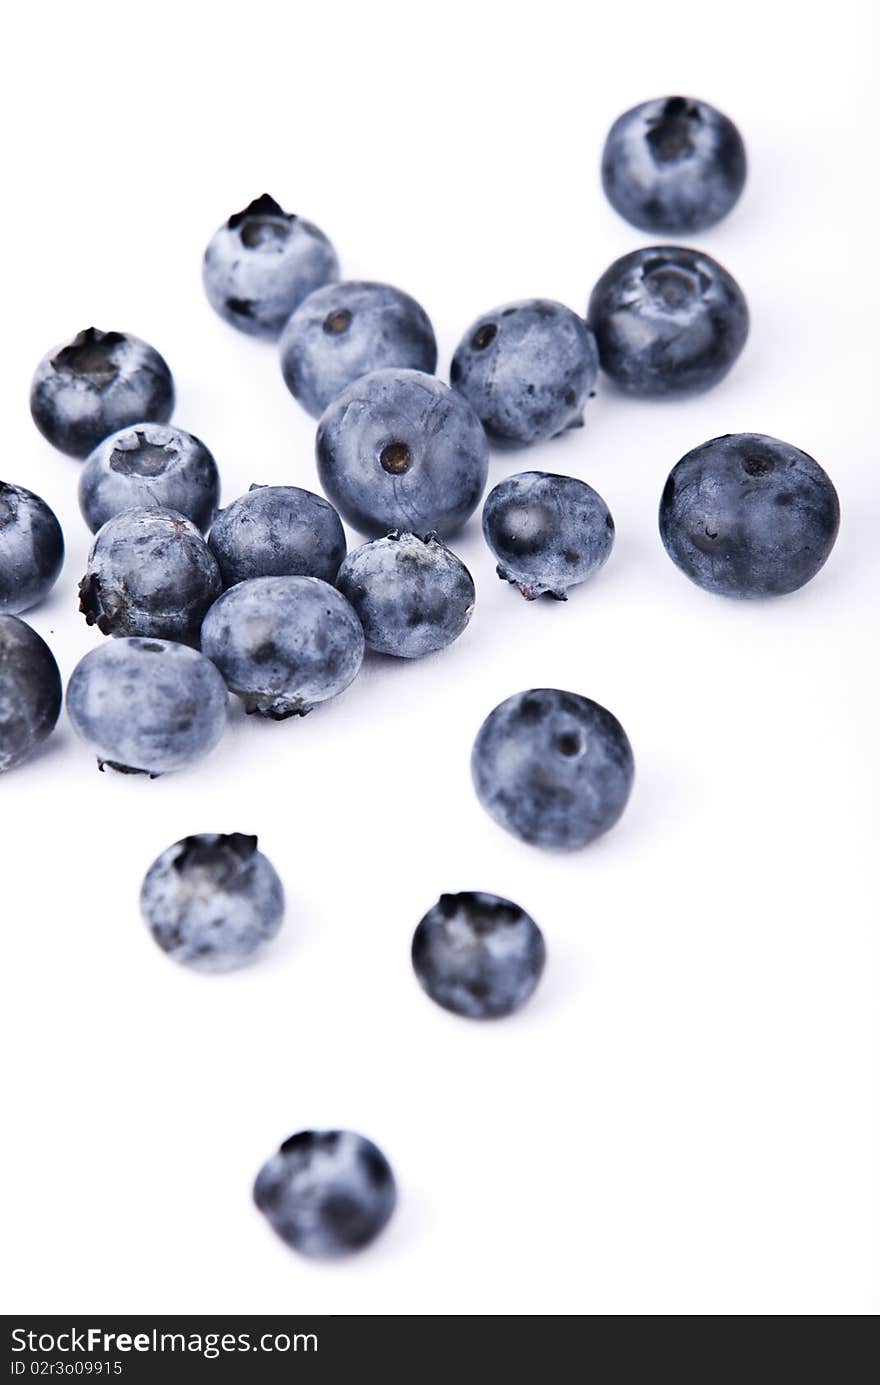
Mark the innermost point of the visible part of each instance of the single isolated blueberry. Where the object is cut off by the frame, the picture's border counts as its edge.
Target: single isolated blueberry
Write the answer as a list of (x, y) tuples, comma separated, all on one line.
[(747, 515), (31, 548), (398, 449), (147, 706), (30, 691), (553, 768), (326, 1192), (262, 263), (277, 531), (284, 644), (344, 331), (151, 465), (527, 370), (547, 532), (96, 384), (478, 955), (212, 900), (673, 166), (412, 596), (149, 573), (668, 321)]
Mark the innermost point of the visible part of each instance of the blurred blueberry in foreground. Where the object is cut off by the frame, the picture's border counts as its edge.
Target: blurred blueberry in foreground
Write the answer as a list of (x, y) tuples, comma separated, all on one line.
[(547, 532), (747, 515), (150, 465), (212, 900), (326, 1192), (527, 370), (343, 331), (30, 691), (95, 385), (478, 955), (552, 767), (262, 263), (673, 166), (412, 596), (277, 531), (31, 548)]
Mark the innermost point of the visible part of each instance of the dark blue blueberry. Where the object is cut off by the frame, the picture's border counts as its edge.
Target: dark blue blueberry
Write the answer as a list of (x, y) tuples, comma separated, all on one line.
[(277, 531), (527, 370), (152, 465), (96, 384), (400, 450), (673, 166), (212, 900), (478, 955), (668, 321), (326, 1192), (411, 595), (284, 644), (31, 548), (553, 768), (149, 573), (547, 532), (147, 706), (30, 691), (262, 263), (747, 515), (344, 331)]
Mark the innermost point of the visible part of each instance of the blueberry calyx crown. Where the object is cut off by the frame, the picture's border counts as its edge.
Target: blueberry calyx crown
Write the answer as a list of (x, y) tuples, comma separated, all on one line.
[(670, 134), (91, 353), (264, 205)]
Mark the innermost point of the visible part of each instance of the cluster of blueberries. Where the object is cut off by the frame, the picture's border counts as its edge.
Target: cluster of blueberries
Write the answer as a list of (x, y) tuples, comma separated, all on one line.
[(271, 607)]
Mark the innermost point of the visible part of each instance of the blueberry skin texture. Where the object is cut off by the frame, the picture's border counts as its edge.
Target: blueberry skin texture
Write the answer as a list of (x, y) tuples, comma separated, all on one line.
[(326, 1192), (343, 331), (31, 549), (150, 465), (398, 449), (278, 531), (212, 900), (478, 955), (411, 595), (668, 321), (284, 644), (547, 532), (673, 166), (746, 515), (149, 573), (527, 369), (99, 382), (30, 691), (262, 263), (552, 767), (147, 706)]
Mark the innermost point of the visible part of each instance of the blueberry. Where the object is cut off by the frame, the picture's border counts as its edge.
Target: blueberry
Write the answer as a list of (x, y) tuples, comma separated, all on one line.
[(668, 320), (149, 573), (344, 331), (30, 691), (527, 370), (212, 900), (673, 166), (412, 595), (548, 532), (749, 516), (553, 768), (400, 450), (147, 706), (95, 385), (277, 531), (150, 465), (284, 644), (31, 548), (478, 955), (326, 1192), (262, 263)]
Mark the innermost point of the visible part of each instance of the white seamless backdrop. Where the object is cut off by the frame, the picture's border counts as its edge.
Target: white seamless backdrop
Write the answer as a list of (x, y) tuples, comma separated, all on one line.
[(680, 1121)]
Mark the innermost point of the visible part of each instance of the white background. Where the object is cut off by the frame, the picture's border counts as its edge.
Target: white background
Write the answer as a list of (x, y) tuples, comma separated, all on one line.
[(680, 1121)]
